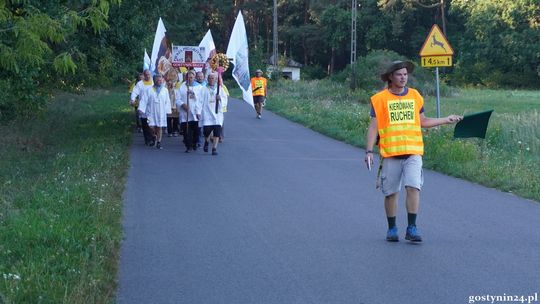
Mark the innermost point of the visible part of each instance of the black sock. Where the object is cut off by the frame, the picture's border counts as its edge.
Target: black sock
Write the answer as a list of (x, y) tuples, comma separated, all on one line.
[(391, 222), (411, 218)]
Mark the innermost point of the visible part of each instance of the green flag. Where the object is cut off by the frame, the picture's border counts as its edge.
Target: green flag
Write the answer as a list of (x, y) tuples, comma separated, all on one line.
[(473, 125)]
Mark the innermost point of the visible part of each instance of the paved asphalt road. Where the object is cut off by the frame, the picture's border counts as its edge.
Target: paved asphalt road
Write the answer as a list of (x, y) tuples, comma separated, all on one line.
[(286, 215)]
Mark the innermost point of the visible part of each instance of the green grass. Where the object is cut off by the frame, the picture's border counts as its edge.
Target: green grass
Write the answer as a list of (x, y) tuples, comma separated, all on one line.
[(62, 175), (508, 159), (61, 183)]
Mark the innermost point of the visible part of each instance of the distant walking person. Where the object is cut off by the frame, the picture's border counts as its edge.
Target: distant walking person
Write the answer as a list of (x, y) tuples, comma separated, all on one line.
[(173, 119), (212, 121), (397, 116), (139, 92), (157, 107), (187, 100), (258, 88), (200, 80)]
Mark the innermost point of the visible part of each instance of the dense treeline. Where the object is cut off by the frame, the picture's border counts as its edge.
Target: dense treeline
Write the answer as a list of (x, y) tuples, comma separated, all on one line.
[(48, 45)]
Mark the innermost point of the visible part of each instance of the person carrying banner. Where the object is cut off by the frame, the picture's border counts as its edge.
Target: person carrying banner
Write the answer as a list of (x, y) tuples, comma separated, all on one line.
[(258, 88), (224, 108), (200, 81), (139, 92), (397, 116), (187, 100), (158, 105), (212, 121)]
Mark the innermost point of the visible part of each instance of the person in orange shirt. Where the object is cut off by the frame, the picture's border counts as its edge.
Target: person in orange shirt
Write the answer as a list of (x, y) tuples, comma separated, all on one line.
[(397, 119), (258, 88)]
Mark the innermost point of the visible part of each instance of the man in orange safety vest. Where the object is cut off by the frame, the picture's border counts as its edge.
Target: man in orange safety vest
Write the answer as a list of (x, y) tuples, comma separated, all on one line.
[(397, 119), (258, 88)]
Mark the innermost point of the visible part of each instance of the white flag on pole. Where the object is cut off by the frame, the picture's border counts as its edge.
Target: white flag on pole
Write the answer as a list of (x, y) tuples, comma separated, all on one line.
[(160, 47), (238, 52), (208, 43), (146, 61)]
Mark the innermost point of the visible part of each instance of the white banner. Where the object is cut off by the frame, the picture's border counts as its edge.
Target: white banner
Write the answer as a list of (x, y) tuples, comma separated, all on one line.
[(146, 61), (238, 52), (208, 43), (188, 56), (160, 47)]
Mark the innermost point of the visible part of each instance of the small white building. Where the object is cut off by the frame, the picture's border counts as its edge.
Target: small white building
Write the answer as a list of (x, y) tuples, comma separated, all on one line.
[(290, 71)]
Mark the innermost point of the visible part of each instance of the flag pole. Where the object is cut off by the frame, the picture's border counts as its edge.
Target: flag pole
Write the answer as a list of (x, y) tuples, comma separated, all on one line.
[(220, 71), (188, 109)]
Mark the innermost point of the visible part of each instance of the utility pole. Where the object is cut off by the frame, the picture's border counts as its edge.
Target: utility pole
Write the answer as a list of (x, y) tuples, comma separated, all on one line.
[(275, 42), (443, 18), (354, 6), (439, 4)]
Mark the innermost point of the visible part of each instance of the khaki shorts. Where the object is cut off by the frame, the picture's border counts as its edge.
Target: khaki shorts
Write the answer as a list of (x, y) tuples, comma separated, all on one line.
[(401, 171)]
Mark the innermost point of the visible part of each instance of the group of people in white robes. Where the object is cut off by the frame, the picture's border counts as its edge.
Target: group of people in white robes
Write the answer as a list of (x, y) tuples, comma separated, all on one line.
[(200, 106)]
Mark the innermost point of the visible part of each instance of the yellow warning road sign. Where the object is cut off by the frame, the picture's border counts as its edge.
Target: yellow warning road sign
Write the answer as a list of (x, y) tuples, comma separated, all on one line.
[(436, 44)]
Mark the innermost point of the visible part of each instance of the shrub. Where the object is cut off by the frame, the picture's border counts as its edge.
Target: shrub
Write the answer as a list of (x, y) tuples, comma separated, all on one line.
[(312, 72), (370, 67)]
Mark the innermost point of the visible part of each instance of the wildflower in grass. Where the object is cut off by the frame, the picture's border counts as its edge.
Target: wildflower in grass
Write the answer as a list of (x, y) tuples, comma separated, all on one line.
[(11, 276)]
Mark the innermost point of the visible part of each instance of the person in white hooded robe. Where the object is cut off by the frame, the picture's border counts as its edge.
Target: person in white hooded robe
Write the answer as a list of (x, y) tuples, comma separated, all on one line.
[(188, 103), (157, 107), (212, 120), (138, 95)]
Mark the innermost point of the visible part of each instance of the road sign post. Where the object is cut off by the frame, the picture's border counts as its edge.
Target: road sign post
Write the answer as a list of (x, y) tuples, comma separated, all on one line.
[(436, 52), (438, 95)]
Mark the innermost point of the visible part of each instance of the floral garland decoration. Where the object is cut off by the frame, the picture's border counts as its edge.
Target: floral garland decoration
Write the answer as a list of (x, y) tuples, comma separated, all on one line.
[(219, 60)]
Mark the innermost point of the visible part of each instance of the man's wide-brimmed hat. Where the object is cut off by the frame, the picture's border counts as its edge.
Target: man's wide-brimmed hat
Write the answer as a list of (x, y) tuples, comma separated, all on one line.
[(396, 65), (258, 71)]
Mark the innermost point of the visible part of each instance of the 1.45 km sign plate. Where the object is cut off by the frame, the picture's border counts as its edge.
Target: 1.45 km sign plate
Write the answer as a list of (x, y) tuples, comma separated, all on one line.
[(436, 61)]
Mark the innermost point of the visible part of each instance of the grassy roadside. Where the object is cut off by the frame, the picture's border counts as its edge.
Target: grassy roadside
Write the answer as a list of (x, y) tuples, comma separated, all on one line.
[(61, 183), (509, 158)]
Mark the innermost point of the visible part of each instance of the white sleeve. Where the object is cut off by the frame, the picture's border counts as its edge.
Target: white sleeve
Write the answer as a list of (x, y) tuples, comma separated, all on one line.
[(136, 91), (179, 98), (224, 99), (201, 97), (143, 101), (168, 102)]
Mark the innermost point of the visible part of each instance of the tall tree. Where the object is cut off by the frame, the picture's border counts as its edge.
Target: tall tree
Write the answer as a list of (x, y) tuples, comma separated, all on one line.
[(34, 46), (499, 42)]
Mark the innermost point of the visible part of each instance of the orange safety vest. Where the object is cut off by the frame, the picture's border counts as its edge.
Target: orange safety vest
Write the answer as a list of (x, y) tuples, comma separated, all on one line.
[(398, 122), (258, 86)]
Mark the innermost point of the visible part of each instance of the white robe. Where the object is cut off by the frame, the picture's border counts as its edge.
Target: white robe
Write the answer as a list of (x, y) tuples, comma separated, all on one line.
[(158, 106), (194, 102), (140, 91), (208, 106)]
